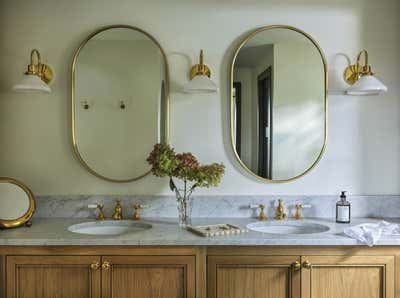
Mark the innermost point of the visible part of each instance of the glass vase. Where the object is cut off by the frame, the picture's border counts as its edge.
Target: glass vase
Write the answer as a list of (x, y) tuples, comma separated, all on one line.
[(185, 206)]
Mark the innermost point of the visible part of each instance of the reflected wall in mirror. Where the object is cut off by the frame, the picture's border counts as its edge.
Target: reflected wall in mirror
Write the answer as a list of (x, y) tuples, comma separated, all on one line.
[(120, 102), (17, 203), (278, 103)]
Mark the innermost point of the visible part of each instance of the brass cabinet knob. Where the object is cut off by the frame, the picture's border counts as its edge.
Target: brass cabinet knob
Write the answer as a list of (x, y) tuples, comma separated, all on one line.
[(106, 265), (94, 266), (307, 264), (296, 266)]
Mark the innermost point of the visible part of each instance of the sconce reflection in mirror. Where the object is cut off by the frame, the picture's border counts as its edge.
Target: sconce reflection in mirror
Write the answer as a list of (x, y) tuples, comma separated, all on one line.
[(362, 78), (36, 78), (122, 105), (200, 79), (85, 104)]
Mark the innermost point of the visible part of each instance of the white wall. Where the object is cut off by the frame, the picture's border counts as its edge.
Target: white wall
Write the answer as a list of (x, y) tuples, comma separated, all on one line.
[(363, 154)]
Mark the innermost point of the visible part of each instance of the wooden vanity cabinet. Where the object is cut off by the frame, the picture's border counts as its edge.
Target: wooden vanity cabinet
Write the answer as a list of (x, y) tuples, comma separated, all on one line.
[(199, 272), (323, 273), (103, 273)]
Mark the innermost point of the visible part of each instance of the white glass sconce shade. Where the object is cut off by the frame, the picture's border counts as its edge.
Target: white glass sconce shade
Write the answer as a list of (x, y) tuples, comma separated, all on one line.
[(367, 85), (201, 84), (32, 83)]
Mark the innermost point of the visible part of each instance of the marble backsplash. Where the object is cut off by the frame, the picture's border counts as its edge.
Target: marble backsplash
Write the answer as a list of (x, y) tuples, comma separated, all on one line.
[(215, 206)]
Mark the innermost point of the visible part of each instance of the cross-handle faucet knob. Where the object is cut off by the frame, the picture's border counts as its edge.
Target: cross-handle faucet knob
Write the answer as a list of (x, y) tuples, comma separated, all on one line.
[(297, 215), (298, 207), (118, 211), (262, 216), (136, 207), (280, 211), (100, 213)]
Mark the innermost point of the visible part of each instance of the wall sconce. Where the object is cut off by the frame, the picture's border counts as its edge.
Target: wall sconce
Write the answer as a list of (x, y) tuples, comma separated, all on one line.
[(36, 78), (362, 79), (200, 81)]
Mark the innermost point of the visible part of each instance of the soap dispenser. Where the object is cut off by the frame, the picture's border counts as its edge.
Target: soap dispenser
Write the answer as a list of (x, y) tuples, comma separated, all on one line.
[(343, 208)]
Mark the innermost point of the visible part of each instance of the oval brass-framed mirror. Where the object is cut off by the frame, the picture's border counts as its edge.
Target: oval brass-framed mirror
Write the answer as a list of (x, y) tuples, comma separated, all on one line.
[(17, 203), (120, 102), (278, 103)]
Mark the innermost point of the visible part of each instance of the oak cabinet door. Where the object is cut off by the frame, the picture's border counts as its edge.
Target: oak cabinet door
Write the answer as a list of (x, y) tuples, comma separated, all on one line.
[(348, 277), (253, 277), (53, 277), (148, 276)]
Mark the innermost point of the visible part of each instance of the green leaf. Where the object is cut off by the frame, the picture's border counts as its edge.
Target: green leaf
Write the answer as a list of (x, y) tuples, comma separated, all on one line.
[(171, 184)]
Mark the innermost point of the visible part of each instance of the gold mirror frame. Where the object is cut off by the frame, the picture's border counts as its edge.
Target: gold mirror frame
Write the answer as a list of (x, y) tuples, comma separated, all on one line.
[(73, 137), (13, 223), (232, 106)]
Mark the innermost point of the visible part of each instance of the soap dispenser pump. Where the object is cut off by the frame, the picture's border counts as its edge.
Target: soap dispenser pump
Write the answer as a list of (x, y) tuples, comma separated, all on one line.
[(343, 209)]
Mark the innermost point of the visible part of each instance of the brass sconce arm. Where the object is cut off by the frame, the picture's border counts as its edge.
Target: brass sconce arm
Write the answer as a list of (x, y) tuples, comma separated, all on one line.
[(366, 69), (33, 69), (200, 69), (354, 72), (41, 70), (200, 79)]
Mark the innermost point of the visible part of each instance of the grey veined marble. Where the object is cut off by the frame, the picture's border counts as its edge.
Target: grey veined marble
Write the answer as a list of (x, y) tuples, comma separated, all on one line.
[(216, 206), (165, 231)]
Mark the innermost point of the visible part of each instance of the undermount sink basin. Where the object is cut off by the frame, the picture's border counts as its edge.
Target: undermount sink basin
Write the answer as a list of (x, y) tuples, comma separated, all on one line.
[(287, 227), (109, 227)]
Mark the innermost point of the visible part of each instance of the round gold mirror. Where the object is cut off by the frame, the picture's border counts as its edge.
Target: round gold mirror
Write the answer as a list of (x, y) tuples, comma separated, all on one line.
[(278, 103), (17, 203)]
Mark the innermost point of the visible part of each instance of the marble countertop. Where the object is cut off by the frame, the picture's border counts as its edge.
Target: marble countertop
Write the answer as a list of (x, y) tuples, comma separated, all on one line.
[(165, 231)]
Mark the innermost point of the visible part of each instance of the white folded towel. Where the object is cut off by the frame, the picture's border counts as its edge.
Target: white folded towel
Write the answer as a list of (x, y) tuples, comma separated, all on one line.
[(370, 233)]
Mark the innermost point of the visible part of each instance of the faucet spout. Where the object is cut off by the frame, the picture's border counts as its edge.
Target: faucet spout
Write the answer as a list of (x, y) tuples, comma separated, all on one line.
[(280, 211), (118, 211)]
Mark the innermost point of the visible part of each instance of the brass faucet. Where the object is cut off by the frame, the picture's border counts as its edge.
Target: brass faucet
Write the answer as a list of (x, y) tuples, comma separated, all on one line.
[(100, 213), (136, 207), (297, 215), (118, 211), (262, 215), (280, 212)]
